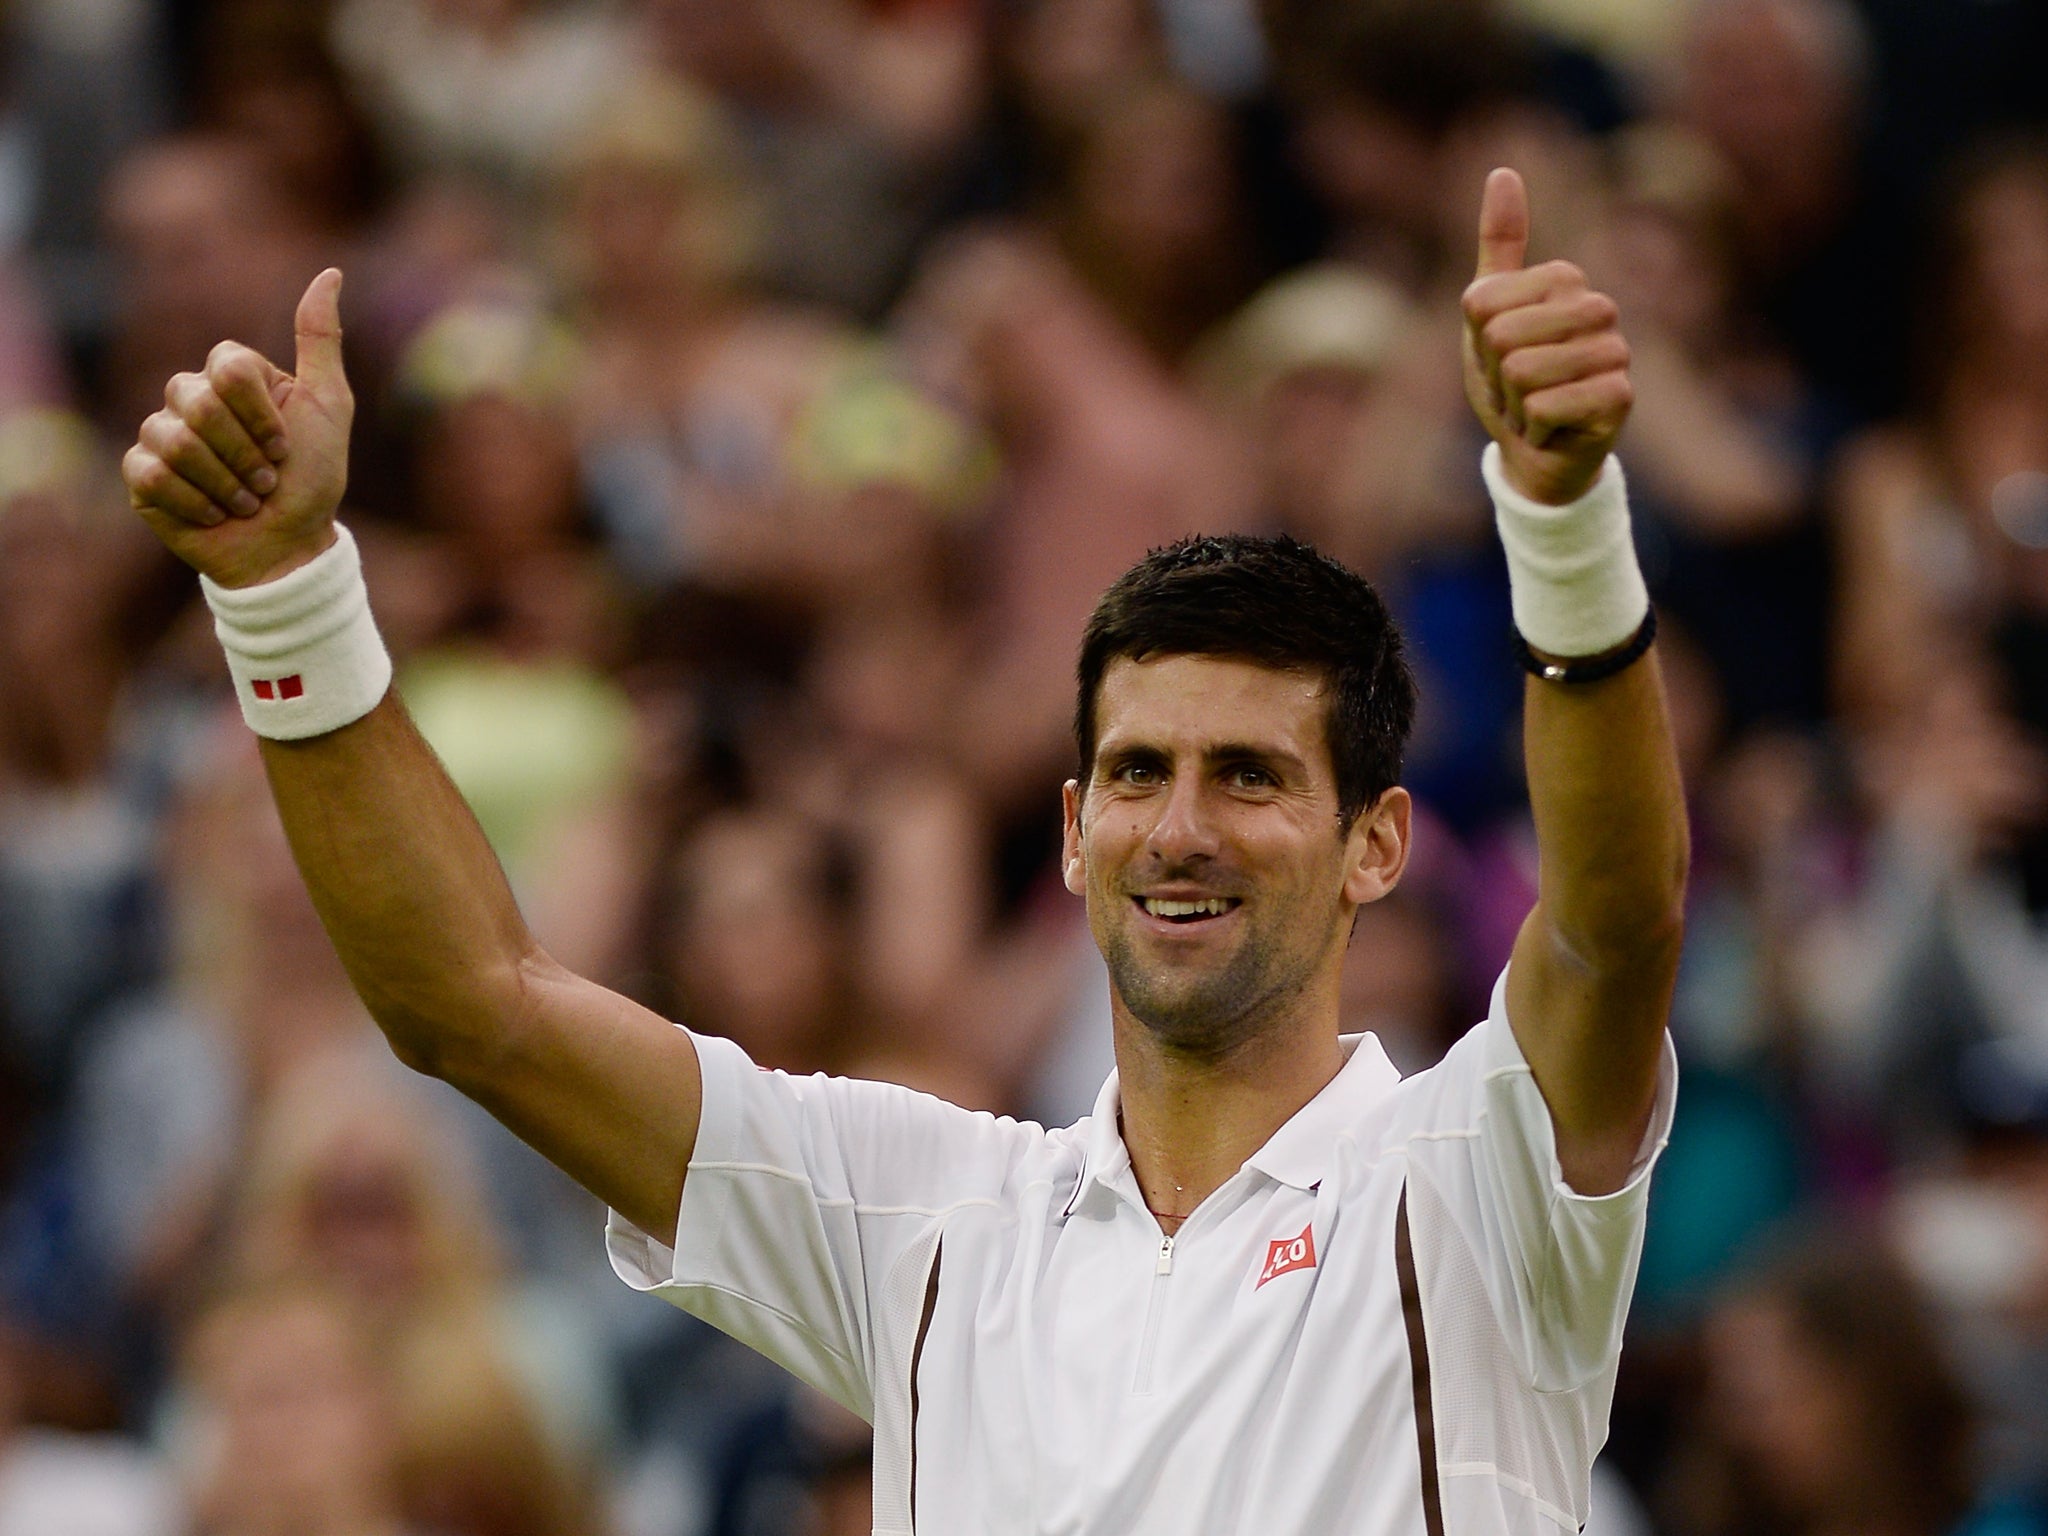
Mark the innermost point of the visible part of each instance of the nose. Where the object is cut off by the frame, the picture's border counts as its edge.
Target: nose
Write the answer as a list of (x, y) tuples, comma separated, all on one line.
[(1185, 831)]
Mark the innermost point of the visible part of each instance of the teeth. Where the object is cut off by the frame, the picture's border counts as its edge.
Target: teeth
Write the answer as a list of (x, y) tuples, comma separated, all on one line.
[(1215, 906)]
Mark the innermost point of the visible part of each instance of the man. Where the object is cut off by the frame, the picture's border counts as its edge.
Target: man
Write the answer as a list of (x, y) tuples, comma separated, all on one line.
[(1267, 1285)]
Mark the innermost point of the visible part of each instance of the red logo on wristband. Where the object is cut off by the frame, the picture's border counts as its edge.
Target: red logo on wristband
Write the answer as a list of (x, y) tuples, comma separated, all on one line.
[(283, 688)]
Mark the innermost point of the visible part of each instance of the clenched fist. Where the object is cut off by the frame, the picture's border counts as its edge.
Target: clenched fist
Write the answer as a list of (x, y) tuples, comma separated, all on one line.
[(1546, 367), (241, 472)]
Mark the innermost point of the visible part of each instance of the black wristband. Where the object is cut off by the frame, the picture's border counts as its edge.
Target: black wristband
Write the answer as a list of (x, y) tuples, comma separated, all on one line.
[(1594, 668)]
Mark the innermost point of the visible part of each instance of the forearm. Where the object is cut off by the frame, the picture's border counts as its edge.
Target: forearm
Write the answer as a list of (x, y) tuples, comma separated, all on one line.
[(1610, 817), (1596, 962), (405, 883), (1590, 984)]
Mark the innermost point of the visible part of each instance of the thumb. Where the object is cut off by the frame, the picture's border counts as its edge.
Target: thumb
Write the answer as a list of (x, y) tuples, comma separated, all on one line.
[(317, 326), (1503, 223)]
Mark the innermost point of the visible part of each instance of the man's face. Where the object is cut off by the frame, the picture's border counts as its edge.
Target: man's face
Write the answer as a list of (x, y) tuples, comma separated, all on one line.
[(1220, 887)]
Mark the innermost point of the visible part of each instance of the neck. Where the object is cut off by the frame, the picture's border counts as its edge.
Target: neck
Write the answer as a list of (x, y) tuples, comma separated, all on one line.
[(1190, 1123)]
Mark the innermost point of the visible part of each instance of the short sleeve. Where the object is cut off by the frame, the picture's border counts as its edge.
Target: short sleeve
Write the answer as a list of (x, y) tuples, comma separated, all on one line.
[(806, 1202), (1558, 1267)]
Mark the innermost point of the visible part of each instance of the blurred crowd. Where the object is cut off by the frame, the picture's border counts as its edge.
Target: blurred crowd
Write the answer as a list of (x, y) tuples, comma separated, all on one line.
[(755, 394)]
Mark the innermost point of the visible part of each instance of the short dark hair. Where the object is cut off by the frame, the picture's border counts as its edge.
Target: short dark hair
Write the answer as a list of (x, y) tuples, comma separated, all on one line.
[(1282, 604)]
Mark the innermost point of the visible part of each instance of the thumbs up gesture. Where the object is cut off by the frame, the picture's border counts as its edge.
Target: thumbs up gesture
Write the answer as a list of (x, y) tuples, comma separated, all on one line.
[(241, 472), (1546, 367)]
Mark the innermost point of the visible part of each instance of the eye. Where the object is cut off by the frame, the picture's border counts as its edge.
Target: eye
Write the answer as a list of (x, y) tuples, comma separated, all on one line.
[(1140, 774), (1251, 776)]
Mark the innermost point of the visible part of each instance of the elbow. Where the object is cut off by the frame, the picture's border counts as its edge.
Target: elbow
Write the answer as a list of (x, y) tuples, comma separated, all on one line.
[(418, 1036), (1656, 940), (1637, 929), (1653, 915), (454, 1035), (1642, 949), (415, 1051), (1642, 941)]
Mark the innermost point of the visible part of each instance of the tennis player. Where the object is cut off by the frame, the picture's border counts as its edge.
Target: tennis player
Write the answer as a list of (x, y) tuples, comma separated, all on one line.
[(1268, 1286)]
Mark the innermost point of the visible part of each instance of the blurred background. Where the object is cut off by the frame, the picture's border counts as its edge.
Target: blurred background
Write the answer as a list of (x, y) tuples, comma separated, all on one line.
[(755, 394)]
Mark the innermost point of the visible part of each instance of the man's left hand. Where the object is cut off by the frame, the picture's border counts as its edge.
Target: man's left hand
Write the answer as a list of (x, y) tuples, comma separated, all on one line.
[(1546, 367)]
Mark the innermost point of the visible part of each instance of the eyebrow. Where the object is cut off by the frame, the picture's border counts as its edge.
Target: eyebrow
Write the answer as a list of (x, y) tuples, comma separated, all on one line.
[(1231, 751), (1250, 752), (1213, 756)]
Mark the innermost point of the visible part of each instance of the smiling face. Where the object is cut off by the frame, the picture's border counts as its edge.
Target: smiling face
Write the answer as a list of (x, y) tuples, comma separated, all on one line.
[(1220, 882)]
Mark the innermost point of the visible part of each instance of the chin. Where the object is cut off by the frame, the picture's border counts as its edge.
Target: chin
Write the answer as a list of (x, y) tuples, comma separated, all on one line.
[(1208, 1005), (1197, 1016)]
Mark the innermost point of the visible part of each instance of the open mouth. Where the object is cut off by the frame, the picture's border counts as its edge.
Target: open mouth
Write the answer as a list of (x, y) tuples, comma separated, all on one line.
[(1207, 909)]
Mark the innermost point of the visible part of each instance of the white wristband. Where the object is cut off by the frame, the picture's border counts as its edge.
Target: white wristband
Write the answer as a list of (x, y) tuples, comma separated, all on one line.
[(303, 649), (1572, 570)]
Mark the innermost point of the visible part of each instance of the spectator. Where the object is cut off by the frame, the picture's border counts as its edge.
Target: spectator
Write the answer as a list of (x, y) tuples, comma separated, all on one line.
[(354, 1184), (1782, 91), (1153, 216), (853, 117), (54, 1483), (1974, 1233), (1339, 387), (286, 1421), (1727, 439), (1827, 1405), (210, 240), (1940, 565), (1376, 93), (1106, 456), (528, 617), (168, 1090), (758, 944), (1937, 509), (75, 799), (690, 381), (483, 87)]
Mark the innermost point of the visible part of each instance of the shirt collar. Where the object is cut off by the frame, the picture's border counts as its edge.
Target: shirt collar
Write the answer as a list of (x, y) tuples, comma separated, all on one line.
[(1105, 1158), (1297, 1154)]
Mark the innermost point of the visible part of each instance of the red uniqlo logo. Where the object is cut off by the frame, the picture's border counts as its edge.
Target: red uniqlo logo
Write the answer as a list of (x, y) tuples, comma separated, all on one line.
[(283, 688), (1285, 1254)]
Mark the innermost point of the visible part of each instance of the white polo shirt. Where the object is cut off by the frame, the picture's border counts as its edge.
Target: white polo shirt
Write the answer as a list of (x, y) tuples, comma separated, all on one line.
[(1395, 1318)]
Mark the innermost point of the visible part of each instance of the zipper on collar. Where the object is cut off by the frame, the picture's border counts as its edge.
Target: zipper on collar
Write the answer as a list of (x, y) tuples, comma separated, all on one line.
[(1155, 1310)]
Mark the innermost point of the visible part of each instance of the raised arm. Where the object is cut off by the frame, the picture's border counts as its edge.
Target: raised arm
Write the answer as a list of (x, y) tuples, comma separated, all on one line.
[(240, 475), (1589, 987)]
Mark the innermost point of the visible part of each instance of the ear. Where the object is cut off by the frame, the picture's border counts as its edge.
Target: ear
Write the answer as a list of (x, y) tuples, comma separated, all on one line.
[(1073, 865), (1376, 848)]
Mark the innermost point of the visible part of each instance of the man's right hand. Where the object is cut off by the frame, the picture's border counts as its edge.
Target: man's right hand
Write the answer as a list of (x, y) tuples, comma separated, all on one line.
[(241, 472)]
